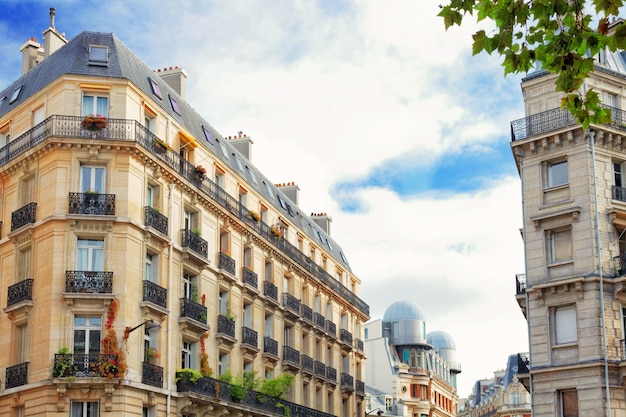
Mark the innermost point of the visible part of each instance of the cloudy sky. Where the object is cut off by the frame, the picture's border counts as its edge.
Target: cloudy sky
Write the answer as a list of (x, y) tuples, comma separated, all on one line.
[(384, 120)]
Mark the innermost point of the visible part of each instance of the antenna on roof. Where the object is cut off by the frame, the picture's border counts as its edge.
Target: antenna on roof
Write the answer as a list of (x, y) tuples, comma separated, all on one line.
[(52, 17)]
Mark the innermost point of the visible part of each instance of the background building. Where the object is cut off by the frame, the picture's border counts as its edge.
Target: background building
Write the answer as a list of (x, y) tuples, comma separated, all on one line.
[(574, 204), (145, 215), (409, 371)]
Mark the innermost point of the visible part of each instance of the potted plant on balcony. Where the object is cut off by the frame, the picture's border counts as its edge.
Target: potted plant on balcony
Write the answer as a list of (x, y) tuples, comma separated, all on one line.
[(254, 216), (152, 355), (200, 172), (276, 232), (161, 146), (63, 367), (94, 123)]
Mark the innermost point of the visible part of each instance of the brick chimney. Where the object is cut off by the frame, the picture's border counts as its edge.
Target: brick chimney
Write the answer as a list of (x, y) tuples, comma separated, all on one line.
[(323, 220), (291, 190), (32, 54), (52, 40), (175, 77), (243, 143)]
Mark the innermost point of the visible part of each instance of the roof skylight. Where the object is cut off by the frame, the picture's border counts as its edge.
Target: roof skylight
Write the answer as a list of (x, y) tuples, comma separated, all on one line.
[(175, 106), (16, 94), (98, 54), (208, 136), (156, 90)]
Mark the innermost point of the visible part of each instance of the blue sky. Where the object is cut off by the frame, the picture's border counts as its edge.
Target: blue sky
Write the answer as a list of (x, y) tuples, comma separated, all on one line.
[(383, 119)]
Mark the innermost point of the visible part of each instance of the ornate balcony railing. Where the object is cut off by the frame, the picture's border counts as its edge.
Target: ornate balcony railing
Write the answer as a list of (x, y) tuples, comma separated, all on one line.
[(156, 220), (319, 320), (331, 374), (94, 365), (249, 337), (520, 284), (320, 369), (359, 387), (250, 278), (307, 313), (133, 131), (358, 344), (291, 303), (225, 326), (345, 336), (331, 328), (152, 374), (193, 310), (307, 363), (270, 346), (92, 203), (23, 216), (347, 381), (291, 355), (195, 243), (213, 389), (226, 263), (270, 290), (154, 294), (17, 375), (90, 282), (21, 291)]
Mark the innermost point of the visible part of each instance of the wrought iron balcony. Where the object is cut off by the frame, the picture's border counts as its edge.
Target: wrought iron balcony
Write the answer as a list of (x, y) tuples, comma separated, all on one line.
[(209, 389), (347, 382), (331, 328), (226, 263), (152, 374), (195, 243), (331, 374), (291, 304), (23, 216), (307, 363), (92, 203), (359, 387), (249, 337), (16, 375), (307, 313), (291, 355), (520, 284), (90, 282), (193, 310), (358, 344), (154, 294), (270, 346), (345, 337), (250, 278), (21, 291), (156, 220), (90, 365), (319, 320), (225, 326), (320, 369), (270, 290)]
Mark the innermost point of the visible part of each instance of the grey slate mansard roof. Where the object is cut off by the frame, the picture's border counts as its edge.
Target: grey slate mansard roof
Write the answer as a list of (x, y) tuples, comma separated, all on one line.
[(73, 58)]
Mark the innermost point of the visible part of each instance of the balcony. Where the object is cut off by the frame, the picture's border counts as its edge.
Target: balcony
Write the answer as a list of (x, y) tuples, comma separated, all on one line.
[(226, 263), (347, 383), (225, 331), (306, 362), (270, 348), (16, 375), (249, 342), (320, 369), (23, 216), (21, 291), (270, 291), (291, 304), (194, 245), (359, 388), (252, 403), (84, 365), (291, 358), (358, 345), (88, 282), (152, 374), (345, 337), (307, 313), (154, 294), (331, 328), (250, 278), (92, 203), (194, 314), (319, 320), (331, 375), (520, 284), (156, 220)]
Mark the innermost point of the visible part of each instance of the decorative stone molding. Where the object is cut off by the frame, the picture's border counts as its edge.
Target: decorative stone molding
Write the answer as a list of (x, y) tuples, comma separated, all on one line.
[(61, 391)]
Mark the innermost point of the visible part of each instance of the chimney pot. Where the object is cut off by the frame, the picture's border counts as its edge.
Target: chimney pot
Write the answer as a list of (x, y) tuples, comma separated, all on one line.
[(52, 13)]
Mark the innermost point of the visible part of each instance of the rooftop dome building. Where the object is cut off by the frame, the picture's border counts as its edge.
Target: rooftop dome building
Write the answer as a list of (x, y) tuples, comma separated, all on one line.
[(410, 371)]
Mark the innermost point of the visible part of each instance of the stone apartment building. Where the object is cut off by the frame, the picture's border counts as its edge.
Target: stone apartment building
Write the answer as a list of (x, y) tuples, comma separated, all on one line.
[(140, 242)]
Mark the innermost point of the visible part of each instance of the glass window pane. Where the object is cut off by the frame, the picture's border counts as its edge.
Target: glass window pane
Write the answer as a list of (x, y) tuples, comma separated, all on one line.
[(79, 341), (562, 242), (87, 105), (565, 319), (557, 174), (102, 106), (94, 341)]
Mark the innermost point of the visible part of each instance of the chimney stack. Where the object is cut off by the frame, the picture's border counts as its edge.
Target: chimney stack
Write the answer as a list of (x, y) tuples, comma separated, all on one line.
[(52, 39), (32, 54), (175, 78), (323, 220), (243, 143)]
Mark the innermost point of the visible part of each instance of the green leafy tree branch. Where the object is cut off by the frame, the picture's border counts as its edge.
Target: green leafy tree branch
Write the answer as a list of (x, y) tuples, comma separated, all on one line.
[(558, 34)]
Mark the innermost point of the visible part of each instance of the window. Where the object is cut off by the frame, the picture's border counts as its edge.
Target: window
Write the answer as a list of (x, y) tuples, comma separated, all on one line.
[(288, 336), (92, 179), (156, 90), (208, 136), (269, 326), (190, 291), (175, 105), (609, 99), (243, 197), (85, 409), (264, 215), (247, 315), (219, 178), (152, 267), (148, 411), (388, 404), (5, 135), (224, 363), (248, 260), (149, 121), (514, 398), (21, 345), (153, 196), (87, 334), (618, 176), (95, 105), (269, 190), (224, 241), (224, 151), (98, 54), (560, 245), (251, 175), (269, 271), (188, 355), (557, 174), (16, 94), (565, 330), (191, 220), (223, 302), (238, 162), (90, 255), (568, 403)]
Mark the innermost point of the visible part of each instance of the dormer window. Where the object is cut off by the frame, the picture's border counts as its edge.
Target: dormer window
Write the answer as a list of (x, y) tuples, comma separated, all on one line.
[(98, 54), (16, 94), (175, 105), (156, 90), (207, 135)]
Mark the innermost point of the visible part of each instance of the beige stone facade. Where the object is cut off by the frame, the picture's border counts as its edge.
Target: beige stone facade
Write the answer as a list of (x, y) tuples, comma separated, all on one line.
[(102, 217), (573, 294)]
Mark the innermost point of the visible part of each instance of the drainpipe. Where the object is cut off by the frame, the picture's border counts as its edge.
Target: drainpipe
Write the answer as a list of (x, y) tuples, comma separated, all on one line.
[(592, 135), (170, 301)]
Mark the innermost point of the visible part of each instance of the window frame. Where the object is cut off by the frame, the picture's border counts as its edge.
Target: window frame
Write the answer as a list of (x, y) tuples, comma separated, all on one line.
[(95, 108), (556, 244), (92, 263), (564, 402), (554, 173), (564, 316)]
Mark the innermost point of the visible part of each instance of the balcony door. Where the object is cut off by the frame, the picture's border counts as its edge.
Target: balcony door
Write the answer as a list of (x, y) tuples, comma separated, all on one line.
[(87, 335), (90, 255), (92, 179)]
